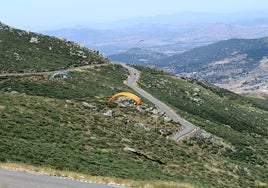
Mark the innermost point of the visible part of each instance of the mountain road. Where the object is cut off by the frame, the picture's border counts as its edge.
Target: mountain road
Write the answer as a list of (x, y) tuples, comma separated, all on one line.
[(188, 128), (22, 179)]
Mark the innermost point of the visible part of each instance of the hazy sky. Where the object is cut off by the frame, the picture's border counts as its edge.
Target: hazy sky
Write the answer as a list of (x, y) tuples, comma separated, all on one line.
[(45, 14)]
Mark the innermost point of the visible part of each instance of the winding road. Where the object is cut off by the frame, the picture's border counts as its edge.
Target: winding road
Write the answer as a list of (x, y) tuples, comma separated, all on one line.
[(188, 128), (22, 179)]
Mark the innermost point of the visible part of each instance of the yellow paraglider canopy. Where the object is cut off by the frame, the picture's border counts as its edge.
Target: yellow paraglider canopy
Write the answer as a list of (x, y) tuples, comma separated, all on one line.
[(127, 94)]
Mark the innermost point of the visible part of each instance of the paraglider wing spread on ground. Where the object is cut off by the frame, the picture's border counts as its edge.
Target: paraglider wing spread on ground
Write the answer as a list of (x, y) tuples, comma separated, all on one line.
[(127, 94), (60, 73)]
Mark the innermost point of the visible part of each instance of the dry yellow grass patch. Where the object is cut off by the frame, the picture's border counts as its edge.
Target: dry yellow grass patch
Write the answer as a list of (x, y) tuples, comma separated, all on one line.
[(100, 179)]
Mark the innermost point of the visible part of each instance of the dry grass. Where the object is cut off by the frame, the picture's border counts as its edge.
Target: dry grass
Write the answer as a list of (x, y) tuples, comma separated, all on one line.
[(167, 185), (100, 179)]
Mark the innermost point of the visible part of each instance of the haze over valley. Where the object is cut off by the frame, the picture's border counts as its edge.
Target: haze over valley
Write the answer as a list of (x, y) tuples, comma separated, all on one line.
[(169, 34)]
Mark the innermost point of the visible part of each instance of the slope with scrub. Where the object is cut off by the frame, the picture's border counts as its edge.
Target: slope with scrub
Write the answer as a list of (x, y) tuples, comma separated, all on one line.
[(61, 124)]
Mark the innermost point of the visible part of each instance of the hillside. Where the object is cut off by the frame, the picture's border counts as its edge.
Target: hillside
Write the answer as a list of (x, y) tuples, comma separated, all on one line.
[(68, 124), (237, 64)]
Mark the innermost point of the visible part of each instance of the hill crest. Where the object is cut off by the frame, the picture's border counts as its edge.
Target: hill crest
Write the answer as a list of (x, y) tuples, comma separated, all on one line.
[(32, 52)]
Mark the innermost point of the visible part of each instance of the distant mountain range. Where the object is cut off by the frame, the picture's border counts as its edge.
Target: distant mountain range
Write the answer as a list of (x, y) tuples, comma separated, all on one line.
[(240, 65), (169, 34), (138, 56), (165, 38)]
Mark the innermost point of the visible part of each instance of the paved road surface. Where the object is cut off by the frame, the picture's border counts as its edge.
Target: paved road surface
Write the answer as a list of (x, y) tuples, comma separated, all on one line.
[(188, 128), (20, 179)]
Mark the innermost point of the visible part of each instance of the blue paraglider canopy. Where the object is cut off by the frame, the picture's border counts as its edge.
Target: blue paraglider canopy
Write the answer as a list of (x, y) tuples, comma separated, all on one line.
[(62, 74)]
